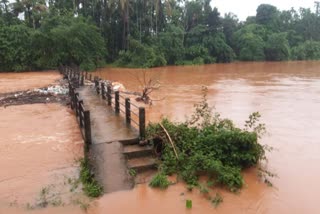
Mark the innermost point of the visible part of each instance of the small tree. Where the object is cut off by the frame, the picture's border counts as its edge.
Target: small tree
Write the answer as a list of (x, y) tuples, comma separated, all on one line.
[(148, 84), (277, 47)]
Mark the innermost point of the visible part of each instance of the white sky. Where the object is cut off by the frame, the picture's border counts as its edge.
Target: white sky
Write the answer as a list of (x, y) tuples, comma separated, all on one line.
[(245, 8)]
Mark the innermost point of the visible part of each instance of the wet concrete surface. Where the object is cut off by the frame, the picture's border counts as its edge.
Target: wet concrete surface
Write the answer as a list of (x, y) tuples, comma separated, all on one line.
[(106, 125), (107, 129), (111, 170)]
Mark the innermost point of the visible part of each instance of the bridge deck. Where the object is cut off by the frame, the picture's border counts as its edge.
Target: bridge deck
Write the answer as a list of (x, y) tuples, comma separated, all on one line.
[(107, 130), (106, 126)]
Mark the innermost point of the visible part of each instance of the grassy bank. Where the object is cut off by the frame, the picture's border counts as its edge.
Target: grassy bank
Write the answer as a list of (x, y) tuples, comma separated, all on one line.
[(91, 187)]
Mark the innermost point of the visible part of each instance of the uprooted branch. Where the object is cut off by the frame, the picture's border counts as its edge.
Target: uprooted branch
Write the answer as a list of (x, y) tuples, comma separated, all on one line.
[(148, 85)]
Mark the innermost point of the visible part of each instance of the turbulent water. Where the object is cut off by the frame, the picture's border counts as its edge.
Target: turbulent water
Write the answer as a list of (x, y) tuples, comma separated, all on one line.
[(286, 94), (39, 148), (10, 82)]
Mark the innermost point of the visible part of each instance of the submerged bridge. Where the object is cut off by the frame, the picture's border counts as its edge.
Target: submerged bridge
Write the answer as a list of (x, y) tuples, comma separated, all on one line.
[(113, 129)]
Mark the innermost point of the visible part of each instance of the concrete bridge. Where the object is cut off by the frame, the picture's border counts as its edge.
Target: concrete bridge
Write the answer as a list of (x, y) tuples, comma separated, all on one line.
[(113, 129)]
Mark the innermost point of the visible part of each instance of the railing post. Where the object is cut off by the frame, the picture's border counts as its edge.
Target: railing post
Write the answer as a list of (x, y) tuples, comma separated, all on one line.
[(80, 113), (76, 103), (70, 90), (86, 75), (117, 102), (71, 94), (109, 95), (103, 91), (96, 83), (90, 77), (87, 127), (142, 123), (128, 112), (73, 99), (82, 78)]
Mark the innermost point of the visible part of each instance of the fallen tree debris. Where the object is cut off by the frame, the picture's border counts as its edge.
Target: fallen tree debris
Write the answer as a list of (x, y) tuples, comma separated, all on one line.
[(51, 94)]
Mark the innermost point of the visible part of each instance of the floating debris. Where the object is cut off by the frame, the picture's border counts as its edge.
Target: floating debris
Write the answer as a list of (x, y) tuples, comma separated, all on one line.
[(51, 94), (56, 90)]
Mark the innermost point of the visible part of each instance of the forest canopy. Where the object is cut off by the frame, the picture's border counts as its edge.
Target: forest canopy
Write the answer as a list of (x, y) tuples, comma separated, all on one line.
[(43, 34)]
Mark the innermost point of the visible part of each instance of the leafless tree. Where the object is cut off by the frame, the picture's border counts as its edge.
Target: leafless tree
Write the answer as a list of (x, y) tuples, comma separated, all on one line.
[(148, 85)]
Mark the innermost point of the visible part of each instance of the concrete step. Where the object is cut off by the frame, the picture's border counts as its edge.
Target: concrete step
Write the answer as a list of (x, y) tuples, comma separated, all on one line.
[(132, 141), (142, 164), (135, 151)]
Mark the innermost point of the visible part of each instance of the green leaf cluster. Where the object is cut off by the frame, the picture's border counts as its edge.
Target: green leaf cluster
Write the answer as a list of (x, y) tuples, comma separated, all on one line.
[(41, 34), (90, 186), (60, 40), (207, 144), (140, 55), (160, 180)]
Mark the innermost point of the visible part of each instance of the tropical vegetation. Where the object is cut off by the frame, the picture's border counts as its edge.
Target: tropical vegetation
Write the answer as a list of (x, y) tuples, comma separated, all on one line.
[(208, 145), (42, 34)]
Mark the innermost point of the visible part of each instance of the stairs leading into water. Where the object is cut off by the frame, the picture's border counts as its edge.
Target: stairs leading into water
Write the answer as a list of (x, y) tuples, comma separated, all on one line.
[(140, 160)]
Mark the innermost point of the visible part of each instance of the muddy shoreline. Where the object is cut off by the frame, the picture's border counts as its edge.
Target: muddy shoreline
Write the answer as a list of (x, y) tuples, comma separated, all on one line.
[(56, 93)]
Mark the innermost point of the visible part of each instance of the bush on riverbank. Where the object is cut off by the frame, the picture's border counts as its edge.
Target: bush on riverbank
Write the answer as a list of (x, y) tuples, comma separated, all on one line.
[(91, 187), (207, 144), (309, 50), (59, 40), (140, 56)]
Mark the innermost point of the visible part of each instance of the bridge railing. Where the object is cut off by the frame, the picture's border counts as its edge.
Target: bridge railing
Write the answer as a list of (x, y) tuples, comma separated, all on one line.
[(133, 114), (83, 116)]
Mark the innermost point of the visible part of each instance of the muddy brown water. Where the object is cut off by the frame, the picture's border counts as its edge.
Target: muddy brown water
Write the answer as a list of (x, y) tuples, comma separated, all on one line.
[(287, 94), (10, 82), (39, 146)]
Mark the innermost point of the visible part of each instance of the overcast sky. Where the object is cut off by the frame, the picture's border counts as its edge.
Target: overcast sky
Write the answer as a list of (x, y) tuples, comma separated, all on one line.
[(244, 8)]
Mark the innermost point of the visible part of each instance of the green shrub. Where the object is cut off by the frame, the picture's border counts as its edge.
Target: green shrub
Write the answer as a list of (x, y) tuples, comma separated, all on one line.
[(160, 180), (198, 61), (140, 55), (88, 65), (217, 200), (277, 47), (90, 186), (210, 144), (309, 50), (189, 204)]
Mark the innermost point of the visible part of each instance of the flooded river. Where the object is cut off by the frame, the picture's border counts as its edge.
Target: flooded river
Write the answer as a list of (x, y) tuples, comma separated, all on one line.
[(39, 148), (287, 94), (10, 82)]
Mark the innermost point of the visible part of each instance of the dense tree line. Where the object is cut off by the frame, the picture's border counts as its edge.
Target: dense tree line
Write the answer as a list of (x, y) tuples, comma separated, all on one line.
[(41, 34)]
